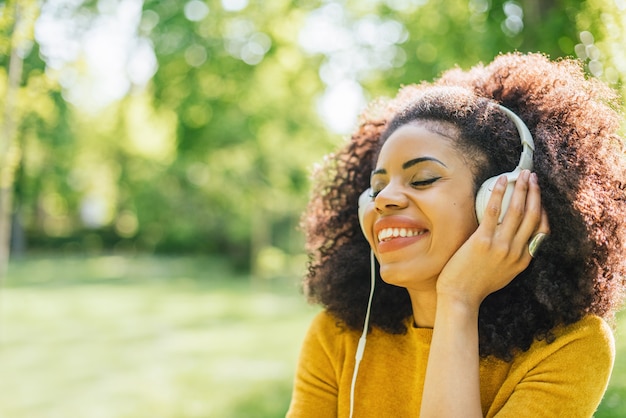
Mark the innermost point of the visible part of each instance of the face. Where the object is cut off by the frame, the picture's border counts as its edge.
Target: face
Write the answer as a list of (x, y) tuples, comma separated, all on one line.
[(423, 209)]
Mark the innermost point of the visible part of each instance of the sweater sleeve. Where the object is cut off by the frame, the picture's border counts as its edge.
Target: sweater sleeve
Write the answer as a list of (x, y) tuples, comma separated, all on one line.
[(566, 378), (316, 383)]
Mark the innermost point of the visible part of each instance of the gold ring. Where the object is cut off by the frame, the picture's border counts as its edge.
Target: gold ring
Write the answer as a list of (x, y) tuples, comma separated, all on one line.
[(535, 242)]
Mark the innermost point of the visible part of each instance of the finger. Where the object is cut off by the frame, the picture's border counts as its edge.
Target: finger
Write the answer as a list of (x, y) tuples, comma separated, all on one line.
[(540, 235), (544, 225), (532, 215), (494, 205), (536, 221), (517, 210)]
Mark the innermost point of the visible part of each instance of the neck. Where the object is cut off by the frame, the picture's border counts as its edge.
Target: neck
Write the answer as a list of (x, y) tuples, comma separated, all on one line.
[(424, 303)]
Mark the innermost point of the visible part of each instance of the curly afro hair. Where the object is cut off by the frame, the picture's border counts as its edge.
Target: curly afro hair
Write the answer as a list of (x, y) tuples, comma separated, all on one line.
[(579, 161)]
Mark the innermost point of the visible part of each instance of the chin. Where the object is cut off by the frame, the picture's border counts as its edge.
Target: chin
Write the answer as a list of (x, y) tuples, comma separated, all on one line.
[(408, 278)]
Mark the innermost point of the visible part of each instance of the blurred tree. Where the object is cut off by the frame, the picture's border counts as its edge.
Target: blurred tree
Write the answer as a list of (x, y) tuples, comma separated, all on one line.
[(466, 32), (223, 105), (246, 131), (233, 74), (17, 23), (602, 26)]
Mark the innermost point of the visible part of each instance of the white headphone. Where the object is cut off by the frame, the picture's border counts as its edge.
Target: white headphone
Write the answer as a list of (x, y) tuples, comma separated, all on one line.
[(482, 197), (525, 162)]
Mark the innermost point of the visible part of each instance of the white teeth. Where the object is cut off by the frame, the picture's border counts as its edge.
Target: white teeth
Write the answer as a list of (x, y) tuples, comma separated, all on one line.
[(389, 233)]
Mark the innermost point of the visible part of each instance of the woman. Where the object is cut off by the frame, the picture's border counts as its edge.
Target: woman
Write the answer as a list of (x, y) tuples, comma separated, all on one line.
[(470, 315)]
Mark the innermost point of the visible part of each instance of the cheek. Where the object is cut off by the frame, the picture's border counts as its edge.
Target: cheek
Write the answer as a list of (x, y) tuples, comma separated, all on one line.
[(459, 222), (468, 209)]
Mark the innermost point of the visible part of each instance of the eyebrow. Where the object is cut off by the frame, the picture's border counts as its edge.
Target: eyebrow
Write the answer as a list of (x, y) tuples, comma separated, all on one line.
[(410, 164)]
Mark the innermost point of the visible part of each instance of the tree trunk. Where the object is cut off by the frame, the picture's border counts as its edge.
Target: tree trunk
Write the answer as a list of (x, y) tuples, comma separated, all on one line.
[(9, 150)]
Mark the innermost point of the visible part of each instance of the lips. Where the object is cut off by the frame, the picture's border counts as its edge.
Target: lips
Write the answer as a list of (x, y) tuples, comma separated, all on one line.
[(395, 232)]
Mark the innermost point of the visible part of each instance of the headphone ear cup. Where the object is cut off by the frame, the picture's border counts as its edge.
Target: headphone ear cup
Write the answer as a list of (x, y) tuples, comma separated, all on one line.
[(484, 193), (364, 199)]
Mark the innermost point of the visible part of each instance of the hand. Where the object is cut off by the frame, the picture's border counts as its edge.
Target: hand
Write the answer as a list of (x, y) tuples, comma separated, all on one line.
[(495, 253)]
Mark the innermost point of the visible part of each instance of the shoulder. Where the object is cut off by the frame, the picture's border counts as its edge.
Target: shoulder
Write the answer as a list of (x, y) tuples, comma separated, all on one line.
[(566, 376), (327, 326), (330, 334), (588, 341), (590, 329), (324, 321)]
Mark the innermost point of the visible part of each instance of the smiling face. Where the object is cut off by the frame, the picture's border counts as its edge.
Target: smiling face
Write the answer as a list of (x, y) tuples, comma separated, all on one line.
[(423, 209)]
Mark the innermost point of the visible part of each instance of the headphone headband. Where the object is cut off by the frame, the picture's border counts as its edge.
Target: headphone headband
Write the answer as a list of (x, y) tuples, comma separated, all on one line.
[(526, 159)]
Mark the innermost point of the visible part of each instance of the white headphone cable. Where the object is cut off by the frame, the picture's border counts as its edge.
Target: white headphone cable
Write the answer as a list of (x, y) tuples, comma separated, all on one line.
[(360, 349)]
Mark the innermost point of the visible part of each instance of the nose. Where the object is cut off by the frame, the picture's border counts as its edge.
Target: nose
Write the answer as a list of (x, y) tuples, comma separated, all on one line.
[(391, 197)]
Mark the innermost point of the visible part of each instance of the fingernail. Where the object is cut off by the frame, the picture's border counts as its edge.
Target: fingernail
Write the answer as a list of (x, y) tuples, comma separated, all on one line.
[(533, 178)]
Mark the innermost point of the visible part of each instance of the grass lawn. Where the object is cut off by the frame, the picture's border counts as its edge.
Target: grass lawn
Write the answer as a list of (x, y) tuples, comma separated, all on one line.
[(148, 337), (156, 337)]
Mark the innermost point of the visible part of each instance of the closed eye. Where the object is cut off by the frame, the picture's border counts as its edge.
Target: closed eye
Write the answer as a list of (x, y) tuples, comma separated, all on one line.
[(426, 182)]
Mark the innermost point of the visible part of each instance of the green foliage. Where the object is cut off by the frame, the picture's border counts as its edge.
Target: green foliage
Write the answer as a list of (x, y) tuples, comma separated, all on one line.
[(214, 153)]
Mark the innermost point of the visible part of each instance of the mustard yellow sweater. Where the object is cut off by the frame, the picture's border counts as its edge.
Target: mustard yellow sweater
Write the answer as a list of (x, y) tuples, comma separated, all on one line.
[(565, 378)]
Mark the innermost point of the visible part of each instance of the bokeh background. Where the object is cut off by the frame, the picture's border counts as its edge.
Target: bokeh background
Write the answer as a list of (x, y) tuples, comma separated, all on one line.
[(154, 162)]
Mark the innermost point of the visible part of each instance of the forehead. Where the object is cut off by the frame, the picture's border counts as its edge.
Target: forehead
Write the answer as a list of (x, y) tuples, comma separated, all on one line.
[(420, 138)]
